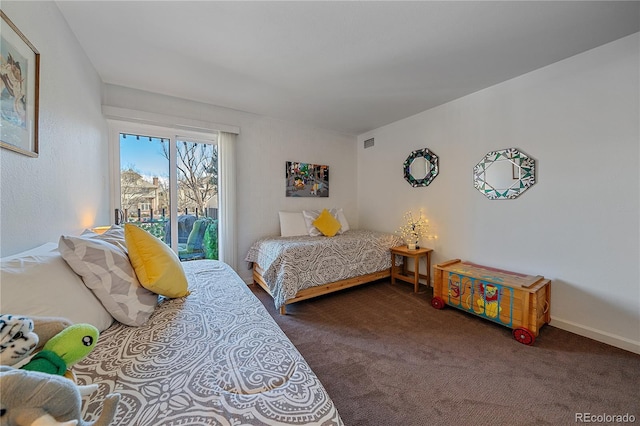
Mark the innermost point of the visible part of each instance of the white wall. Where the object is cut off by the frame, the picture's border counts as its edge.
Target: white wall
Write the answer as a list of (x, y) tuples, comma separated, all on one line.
[(65, 189), (263, 147), (578, 225)]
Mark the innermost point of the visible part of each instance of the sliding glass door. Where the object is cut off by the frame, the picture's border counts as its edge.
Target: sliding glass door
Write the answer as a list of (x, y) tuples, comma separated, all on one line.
[(169, 187), (196, 187)]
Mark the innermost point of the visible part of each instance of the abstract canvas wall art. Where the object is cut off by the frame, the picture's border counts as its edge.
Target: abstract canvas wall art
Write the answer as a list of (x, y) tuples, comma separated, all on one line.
[(307, 180)]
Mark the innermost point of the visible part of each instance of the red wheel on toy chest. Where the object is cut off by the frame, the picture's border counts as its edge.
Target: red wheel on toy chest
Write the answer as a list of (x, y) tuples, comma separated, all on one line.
[(437, 302), (524, 336)]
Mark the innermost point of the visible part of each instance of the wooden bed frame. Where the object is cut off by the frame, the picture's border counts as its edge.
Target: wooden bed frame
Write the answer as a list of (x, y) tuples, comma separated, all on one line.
[(311, 292)]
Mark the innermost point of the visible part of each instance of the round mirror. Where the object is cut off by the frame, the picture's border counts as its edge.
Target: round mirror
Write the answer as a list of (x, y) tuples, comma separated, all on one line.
[(501, 174), (504, 174), (421, 167)]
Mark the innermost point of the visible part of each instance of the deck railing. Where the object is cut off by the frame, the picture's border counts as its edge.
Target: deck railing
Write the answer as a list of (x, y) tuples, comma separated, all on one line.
[(206, 246)]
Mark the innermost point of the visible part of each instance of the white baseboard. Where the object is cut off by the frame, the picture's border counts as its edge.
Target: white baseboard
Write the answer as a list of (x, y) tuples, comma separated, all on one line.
[(599, 335)]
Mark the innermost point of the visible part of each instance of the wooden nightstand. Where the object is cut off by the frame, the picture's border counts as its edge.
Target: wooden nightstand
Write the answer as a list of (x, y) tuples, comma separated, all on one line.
[(401, 273)]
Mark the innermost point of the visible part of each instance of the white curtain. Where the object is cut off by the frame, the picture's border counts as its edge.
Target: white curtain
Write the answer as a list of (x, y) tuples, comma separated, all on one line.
[(228, 250)]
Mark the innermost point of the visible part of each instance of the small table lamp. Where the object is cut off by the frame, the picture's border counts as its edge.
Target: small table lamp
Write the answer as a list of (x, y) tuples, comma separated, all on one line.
[(100, 229)]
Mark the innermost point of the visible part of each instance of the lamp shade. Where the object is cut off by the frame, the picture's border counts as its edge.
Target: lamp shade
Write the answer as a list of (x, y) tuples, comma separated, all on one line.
[(101, 229)]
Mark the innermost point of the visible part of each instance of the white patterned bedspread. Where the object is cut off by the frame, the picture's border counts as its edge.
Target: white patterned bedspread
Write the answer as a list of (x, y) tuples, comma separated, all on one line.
[(215, 357), (291, 264)]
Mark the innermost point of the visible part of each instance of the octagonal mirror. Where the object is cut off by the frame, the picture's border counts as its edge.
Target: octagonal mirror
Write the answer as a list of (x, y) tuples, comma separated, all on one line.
[(421, 167), (504, 174)]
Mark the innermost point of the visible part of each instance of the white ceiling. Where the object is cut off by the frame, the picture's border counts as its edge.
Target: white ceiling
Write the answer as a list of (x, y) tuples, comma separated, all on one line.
[(347, 66)]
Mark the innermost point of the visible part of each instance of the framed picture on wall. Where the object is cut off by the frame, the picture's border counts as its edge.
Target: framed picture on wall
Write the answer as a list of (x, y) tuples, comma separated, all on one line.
[(19, 86), (307, 180)]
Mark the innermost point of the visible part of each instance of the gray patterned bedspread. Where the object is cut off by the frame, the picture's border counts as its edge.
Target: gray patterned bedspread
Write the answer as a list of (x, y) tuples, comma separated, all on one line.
[(215, 357), (291, 264)]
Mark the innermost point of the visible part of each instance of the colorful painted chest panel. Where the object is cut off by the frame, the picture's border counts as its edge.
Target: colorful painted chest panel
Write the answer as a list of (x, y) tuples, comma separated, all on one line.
[(520, 302)]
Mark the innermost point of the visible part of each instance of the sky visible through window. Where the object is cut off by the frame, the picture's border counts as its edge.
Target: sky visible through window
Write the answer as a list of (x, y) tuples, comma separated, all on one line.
[(143, 155)]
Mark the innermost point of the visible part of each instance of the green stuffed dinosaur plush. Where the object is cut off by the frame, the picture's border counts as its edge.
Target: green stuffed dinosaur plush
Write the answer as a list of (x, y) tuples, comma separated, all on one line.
[(32, 398), (66, 348)]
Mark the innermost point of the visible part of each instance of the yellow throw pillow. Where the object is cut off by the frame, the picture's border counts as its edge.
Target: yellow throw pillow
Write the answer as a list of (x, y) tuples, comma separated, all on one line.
[(157, 267), (327, 224)]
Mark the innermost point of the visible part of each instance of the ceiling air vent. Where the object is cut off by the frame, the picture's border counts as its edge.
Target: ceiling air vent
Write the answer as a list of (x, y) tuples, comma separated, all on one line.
[(368, 143)]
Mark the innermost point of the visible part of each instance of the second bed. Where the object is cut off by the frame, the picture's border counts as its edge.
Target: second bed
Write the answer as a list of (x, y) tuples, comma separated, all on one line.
[(301, 267)]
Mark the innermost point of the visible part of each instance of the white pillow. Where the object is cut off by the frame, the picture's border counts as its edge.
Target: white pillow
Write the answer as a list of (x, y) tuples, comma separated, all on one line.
[(343, 221), (103, 263), (292, 224), (39, 282)]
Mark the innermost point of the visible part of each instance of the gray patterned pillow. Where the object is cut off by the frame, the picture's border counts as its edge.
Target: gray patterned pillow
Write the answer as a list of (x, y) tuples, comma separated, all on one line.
[(103, 264)]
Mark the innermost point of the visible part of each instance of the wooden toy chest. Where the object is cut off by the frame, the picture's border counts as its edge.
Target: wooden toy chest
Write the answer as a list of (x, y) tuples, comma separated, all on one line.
[(515, 300)]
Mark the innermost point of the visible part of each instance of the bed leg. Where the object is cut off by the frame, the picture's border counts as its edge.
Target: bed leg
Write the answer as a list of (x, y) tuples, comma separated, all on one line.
[(283, 310)]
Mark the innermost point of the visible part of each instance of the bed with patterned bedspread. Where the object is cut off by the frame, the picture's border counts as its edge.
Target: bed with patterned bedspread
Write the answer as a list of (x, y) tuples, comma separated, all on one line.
[(214, 357), (301, 267)]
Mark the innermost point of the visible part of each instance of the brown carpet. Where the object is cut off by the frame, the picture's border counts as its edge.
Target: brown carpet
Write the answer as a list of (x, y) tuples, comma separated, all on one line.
[(386, 357)]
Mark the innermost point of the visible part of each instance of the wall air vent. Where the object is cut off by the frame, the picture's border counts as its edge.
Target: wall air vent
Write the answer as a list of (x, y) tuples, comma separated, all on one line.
[(368, 143)]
